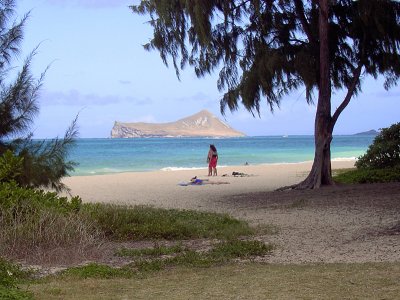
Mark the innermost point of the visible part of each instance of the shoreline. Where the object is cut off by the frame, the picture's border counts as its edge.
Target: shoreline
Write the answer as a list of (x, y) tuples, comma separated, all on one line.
[(162, 189), (175, 169)]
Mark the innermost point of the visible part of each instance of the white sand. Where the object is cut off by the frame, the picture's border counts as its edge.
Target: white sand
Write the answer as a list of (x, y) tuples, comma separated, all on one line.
[(162, 189)]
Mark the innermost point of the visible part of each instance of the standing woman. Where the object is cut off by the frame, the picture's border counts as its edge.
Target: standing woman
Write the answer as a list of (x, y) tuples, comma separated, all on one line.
[(212, 160)]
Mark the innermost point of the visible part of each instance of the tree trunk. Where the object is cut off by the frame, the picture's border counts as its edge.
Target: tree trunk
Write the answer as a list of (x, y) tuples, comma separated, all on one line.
[(321, 173)]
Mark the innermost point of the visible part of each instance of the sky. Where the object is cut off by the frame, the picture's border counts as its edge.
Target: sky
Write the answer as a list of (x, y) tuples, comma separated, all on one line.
[(99, 69)]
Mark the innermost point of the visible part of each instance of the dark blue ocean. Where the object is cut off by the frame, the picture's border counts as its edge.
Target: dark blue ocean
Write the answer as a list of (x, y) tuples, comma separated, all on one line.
[(103, 156)]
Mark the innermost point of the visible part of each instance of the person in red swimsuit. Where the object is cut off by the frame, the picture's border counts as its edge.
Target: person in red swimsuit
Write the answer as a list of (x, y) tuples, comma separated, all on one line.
[(212, 159)]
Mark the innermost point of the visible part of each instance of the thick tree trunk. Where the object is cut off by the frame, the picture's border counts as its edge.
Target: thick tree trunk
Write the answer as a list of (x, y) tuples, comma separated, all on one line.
[(321, 170)]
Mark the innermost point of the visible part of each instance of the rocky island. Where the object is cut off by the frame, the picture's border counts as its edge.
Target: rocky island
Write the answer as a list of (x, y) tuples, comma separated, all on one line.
[(369, 132), (201, 124)]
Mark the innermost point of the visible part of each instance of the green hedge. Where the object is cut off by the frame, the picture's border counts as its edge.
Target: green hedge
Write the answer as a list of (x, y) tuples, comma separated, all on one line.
[(12, 196), (384, 152), (369, 176)]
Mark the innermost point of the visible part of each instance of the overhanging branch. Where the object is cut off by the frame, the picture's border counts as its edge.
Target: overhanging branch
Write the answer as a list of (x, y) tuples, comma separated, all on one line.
[(350, 92)]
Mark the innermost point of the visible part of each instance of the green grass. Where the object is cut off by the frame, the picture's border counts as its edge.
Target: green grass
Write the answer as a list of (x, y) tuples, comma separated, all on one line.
[(76, 227), (153, 260), (94, 270), (86, 225), (14, 294), (147, 223), (221, 253), (94, 223), (240, 249), (354, 176), (156, 251), (10, 276), (237, 281)]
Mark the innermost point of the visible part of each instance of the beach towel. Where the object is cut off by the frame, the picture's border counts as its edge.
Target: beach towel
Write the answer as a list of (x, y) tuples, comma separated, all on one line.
[(198, 181)]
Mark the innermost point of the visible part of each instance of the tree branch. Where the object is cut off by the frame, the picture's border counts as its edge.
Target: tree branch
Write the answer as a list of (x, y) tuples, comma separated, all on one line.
[(240, 5), (352, 87), (306, 27), (350, 92)]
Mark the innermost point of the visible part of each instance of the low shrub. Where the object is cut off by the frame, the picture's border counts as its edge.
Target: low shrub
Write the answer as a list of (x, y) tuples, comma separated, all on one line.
[(384, 151), (34, 222), (368, 176), (10, 276), (143, 222), (23, 200)]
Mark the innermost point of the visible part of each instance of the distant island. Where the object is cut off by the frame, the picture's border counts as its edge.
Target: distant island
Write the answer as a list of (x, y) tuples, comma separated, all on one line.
[(201, 124), (369, 132)]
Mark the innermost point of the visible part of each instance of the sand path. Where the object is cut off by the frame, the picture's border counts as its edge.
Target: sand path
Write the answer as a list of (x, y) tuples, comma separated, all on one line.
[(341, 224)]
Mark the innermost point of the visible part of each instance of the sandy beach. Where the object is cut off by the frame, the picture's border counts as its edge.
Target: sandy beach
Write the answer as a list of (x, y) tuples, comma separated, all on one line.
[(163, 189), (351, 223)]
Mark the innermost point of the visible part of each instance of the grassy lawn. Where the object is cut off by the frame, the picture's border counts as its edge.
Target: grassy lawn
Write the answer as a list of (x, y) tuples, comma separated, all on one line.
[(179, 270), (237, 281)]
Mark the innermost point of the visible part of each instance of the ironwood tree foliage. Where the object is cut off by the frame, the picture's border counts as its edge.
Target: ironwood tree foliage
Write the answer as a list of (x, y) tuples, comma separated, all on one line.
[(43, 163), (265, 49)]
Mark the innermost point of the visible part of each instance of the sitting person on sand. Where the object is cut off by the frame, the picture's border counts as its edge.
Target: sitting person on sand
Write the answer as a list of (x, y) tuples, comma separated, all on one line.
[(198, 181)]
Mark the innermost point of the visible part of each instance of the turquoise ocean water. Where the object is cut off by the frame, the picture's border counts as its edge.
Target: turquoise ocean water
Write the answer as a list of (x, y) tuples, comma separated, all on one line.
[(104, 156)]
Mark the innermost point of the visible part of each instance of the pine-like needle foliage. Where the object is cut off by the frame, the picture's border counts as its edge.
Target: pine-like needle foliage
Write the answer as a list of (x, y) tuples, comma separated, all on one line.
[(44, 163), (267, 49)]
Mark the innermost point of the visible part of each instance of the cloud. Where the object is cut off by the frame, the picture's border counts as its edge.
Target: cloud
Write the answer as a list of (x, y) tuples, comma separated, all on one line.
[(145, 119), (145, 101), (387, 94), (92, 3), (198, 97), (75, 98), (125, 82)]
